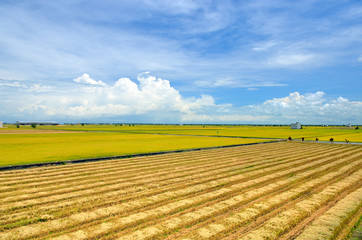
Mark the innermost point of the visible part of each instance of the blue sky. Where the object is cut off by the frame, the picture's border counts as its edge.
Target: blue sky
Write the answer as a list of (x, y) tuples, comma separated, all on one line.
[(182, 61)]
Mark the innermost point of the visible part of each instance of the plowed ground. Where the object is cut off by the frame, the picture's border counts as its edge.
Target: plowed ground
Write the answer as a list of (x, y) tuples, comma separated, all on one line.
[(283, 190)]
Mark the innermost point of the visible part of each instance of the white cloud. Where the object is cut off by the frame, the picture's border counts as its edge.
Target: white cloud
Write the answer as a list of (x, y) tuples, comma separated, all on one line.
[(224, 118), (292, 59), (85, 78), (155, 100), (310, 108), (252, 89), (12, 84), (26, 86), (360, 59), (264, 46), (255, 38), (125, 97), (174, 7), (295, 100), (237, 83)]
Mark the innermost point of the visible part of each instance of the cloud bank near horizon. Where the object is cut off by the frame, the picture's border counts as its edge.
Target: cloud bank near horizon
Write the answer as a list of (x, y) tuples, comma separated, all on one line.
[(154, 100)]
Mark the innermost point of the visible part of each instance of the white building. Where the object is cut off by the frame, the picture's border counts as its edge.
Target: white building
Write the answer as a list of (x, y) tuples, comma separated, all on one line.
[(296, 125), (1, 124)]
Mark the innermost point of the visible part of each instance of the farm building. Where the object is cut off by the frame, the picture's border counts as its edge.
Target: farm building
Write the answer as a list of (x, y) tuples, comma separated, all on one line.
[(1, 124), (37, 123), (296, 125)]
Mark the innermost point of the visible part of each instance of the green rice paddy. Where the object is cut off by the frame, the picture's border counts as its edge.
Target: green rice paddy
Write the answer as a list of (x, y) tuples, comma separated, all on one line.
[(25, 145)]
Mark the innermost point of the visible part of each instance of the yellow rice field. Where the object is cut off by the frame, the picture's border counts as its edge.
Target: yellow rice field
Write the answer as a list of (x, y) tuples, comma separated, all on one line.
[(285, 190)]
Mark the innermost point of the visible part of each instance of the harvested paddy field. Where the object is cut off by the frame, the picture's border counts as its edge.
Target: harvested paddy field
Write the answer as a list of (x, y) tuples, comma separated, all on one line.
[(282, 190)]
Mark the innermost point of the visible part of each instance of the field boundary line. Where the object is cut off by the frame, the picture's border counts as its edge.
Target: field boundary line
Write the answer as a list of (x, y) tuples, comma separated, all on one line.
[(25, 166)]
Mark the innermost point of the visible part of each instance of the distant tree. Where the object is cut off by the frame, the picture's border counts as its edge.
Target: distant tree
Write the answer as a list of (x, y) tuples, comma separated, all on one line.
[(331, 139), (17, 126), (82, 124), (33, 125), (357, 128), (316, 139), (289, 138)]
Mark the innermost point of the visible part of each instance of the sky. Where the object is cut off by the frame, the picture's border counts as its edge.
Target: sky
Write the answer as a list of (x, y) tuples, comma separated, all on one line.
[(181, 61)]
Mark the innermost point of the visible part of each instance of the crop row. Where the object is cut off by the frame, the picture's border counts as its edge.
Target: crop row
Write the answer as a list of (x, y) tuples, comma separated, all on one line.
[(198, 181), (79, 171), (237, 204), (250, 192)]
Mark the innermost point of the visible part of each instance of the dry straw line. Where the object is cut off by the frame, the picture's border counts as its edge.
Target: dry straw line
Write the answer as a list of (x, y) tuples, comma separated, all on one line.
[(137, 165), (87, 186), (214, 188), (334, 219), (283, 222), (232, 222), (92, 231), (33, 196), (189, 218), (261, 220), (117, 192), (59, 171), (193, 188), (170, 164), (26, 187), (92, 165)]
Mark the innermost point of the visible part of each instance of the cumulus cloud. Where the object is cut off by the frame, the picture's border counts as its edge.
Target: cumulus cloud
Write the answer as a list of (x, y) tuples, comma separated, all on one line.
[(360, 59), (310, 108), (153, 99), (85, 78), (124, 97)]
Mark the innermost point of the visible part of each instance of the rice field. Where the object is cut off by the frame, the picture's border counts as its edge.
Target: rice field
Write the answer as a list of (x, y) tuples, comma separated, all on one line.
[(39, 146), (339, 133), (285, 190)]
